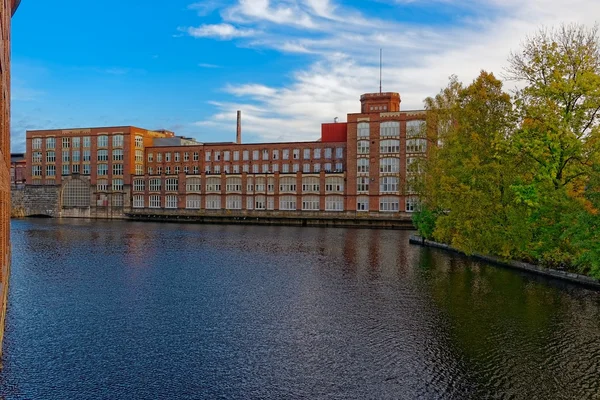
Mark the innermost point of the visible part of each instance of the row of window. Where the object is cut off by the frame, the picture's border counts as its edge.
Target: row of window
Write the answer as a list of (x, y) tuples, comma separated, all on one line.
[(392, 129), (393, 146), (85, 142), (388, 165), (264, 155), (234, 184), (288, 203), (101, 169), (255, 168)]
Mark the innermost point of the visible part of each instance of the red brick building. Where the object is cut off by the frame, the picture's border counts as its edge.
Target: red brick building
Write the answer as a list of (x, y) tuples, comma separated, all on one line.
[(18, 169), (7, 9), (358, 167)]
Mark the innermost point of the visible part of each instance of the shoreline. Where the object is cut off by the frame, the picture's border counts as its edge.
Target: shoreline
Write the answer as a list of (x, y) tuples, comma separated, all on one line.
[(583, 280)]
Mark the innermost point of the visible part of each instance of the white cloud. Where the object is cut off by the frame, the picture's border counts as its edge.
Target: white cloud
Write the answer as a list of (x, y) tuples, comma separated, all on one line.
[(344, 45), (220, 31), (206, 65)]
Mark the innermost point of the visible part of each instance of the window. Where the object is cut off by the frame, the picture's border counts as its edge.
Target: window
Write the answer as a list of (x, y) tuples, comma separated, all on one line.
[(287, 203), (117, 155), (271, 185), (76, 142), (36, 170), (236, 169), (217, 169), (334, 203), (362, 147), (102, 169), (171, 201), (139, 169), (246, 168), (171, 184), (265, 154), (255, 168), (117, 169), (154, 201), (259, 202), (65, 169), (167, 157), (87, 142), (285, 168), (139, 155), (50, 170), (389, 165), (192, 202), (186, 170), (196, 156), (213, 185), (196, 170), (207, 156), (415, 129), (226, 155), (158, 170), (339, 152), (50, 157), (255, 155), (287, 184), (234, 185), (207, 168), (317, 153), (66, 156), (103, 141), (390, 128), (285, 154), (102, 155), (389, 204), (86, 169), (414, 165), (296, 167), (177, 157), (275, 167), (306, 154), (416, 145), (412, 204), (362, 130), (117, 185), (327, 167), (310, 203), (334, 184), (186, 156), (362, 165), (250, 184), (265, 168), (50, 143), (138, 201), (102, 185), (155, 185), (213, 202), (76, 157), (328, 153), (245, 155), (296, 154), (87, 156), (76, 193), (117, 141), (139, 185), (339, 167), (66, 143), (217, 156), (193, 185), (310, 184), (275, 154), (236, 155), (270, 203), (234, 202), (316, 167), (362, 184), (150, 157), (139, 142), (260, 184), (36, 144), (388, 184), (362, 203), (306, 168), (389, 146)]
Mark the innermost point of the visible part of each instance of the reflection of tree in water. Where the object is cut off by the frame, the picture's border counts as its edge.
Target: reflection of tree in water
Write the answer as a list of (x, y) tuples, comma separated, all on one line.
[(518, 337)]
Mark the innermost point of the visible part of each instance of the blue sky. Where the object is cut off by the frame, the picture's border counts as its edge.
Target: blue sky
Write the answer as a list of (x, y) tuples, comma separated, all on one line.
[(287, 64)]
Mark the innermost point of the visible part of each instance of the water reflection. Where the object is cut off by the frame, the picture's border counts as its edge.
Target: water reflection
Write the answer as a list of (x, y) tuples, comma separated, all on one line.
[(131, 310)]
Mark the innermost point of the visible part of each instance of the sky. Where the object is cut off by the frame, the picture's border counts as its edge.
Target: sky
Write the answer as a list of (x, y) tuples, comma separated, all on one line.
[(289, 65)]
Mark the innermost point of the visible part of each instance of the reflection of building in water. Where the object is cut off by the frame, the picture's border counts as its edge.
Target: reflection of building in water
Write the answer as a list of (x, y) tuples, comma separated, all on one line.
[(359, 168)]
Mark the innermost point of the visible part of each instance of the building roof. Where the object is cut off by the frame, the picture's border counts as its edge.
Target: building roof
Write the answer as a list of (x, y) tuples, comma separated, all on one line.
[(17, 157)]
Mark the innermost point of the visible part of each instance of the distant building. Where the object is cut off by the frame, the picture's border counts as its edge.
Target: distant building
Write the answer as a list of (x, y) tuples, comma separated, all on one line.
[(18, 169), (360, 166)]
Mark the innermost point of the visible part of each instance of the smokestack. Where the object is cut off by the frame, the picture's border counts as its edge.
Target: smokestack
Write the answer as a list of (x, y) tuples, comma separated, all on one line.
[(239, 128)]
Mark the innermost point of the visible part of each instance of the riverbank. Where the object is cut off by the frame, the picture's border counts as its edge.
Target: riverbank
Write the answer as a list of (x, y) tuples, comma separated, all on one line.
[(518, 265)]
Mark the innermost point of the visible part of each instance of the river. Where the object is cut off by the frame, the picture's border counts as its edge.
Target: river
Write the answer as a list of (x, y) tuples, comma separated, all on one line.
[(124, 310)]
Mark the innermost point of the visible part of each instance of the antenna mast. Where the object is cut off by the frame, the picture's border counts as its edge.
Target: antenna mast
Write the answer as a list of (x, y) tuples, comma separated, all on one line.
[(380, 68)]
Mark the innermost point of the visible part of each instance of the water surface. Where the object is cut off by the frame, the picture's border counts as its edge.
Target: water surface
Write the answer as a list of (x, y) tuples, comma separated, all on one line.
[(122, 310)]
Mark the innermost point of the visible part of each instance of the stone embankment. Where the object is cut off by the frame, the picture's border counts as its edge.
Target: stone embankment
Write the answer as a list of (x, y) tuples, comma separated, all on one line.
[(518, 265), (34, 201)]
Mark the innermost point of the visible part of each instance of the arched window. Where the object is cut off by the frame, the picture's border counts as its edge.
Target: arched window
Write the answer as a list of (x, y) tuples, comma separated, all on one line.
[(76, 193), (310, 184)]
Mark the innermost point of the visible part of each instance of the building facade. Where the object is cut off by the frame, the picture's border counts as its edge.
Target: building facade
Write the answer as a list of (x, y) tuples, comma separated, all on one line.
[(7, 9), (361, 167)]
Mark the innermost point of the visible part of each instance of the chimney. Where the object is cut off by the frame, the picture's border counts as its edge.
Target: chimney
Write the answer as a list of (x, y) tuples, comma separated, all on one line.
[(239, 128)]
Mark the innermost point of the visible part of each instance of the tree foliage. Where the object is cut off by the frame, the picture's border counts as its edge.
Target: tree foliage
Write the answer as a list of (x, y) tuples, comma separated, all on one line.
[(518, 176)]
